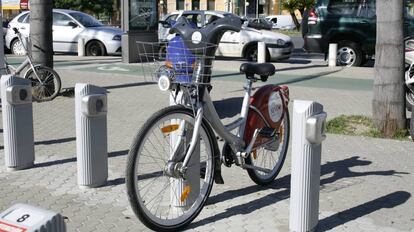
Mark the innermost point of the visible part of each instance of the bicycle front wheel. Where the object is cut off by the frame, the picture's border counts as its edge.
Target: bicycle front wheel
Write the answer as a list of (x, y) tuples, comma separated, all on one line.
[(46, 83), (271, 156), (161, 198)]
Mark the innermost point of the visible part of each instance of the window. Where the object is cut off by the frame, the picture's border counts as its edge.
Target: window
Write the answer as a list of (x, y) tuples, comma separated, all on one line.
[(344, 7), (273, 20), (195, 4), (85, 19), (61, 19), (194, 19), (211, 18), (211, 4), (179, 4), (24, 18)]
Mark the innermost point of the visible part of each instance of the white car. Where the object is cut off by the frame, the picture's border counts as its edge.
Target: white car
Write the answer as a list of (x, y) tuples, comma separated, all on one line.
[(284, 22), (68, 27), (233, 44)]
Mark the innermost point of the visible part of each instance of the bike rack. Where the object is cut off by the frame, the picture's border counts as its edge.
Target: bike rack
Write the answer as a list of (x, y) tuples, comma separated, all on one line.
[(16, 95), (307, 136), (91, 135)]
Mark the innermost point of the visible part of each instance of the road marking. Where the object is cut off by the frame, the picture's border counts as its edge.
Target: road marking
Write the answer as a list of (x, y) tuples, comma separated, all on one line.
[(106, 68)]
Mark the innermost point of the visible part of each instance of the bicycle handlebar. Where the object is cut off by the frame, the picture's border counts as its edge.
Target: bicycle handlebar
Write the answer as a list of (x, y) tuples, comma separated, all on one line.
[(210, 34)]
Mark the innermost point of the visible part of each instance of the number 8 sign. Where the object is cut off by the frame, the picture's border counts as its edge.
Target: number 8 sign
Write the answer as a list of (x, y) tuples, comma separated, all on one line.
[(22, 218)]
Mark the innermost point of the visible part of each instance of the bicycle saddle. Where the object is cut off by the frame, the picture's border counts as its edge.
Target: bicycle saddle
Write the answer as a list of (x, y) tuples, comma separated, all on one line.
[(263, 70)]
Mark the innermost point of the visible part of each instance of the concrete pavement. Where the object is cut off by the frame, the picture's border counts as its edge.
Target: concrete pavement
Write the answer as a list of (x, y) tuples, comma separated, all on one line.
[(366, 184)]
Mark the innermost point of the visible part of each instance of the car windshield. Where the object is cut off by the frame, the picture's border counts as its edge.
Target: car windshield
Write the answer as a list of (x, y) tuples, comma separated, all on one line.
[(86, 20)]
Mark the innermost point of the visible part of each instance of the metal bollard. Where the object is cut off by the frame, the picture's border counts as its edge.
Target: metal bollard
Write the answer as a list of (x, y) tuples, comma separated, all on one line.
[(261, 52), (81, 47), (16, 95), (333, 50), (178, 186), (308, 134), (27, 218), (91, 135)]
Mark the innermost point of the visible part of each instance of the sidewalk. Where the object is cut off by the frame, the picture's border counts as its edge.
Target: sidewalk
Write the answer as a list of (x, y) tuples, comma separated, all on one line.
[(366, 183)]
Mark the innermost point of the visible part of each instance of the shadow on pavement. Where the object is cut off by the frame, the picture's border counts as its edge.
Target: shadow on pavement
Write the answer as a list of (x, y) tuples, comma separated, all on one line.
[(388, 201), (340, 170), (308, 77), (300, 67), (73, 159), (70, 92)]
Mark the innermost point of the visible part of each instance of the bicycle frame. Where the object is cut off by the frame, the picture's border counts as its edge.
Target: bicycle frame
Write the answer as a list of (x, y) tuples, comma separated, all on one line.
[(206, 109), (27, 61)]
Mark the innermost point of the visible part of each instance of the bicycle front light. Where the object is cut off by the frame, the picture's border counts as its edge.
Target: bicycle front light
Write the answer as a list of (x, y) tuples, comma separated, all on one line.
[(164, 76)]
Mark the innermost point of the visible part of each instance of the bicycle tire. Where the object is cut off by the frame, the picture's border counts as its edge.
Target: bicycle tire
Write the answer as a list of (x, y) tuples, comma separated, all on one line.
[(261, 178), (138, 153), (51, 83)]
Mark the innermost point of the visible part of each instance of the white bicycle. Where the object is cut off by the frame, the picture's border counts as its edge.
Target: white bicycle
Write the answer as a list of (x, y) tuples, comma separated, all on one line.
[(46, 83)]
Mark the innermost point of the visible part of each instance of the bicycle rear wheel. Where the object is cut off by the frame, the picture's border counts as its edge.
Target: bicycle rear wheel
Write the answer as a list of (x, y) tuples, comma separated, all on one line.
[(49, 85), (270, 158), (160, 200)]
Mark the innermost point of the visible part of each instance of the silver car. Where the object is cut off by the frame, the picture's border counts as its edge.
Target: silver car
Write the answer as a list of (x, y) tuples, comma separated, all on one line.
[(68, 27)]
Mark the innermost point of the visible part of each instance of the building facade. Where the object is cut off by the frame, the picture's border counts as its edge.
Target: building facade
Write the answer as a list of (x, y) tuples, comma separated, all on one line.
[(250, 8)]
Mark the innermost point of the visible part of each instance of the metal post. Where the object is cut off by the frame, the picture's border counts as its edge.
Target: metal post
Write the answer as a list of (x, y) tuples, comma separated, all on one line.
[(81, 47), (412, 125), (261, 52), (91, 135), (16, 95), (2, 63), (246, 4), (308, 134), (23, 217), (333, 48), (192, 183)]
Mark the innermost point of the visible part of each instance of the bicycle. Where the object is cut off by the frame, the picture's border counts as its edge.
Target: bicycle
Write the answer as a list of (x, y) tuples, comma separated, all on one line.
[(175, 158), (46, 83)]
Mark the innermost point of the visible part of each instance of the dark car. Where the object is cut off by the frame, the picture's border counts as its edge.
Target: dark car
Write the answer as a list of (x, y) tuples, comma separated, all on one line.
[(260, 24), (350, 24)]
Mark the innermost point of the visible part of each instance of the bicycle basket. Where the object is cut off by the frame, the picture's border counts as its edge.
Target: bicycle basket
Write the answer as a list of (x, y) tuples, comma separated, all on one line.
[(182, 64)]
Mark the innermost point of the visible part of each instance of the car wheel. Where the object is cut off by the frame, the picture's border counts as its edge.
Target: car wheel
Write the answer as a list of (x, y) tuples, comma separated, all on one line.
[(162, 52), (409, 100), (95, 48), (349, 54), (17, 48), (251, 54)]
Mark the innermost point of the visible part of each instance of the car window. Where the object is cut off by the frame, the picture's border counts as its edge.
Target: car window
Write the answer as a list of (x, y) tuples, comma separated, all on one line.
[(211, 18), (24, 19), (61, 19), (344, 7), (273, 20), (86, 20), (194, 19), (369, 8)]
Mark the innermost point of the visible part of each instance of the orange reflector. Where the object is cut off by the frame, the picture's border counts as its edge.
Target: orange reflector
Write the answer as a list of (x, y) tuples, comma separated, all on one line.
[(185, 193), (169, 128), (254, 154), (169, 64)]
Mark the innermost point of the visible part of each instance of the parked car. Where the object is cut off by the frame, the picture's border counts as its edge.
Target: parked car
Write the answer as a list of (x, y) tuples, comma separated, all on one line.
[(233, 44), (350, 24), (68, 27), (260, 24), (283, 22)]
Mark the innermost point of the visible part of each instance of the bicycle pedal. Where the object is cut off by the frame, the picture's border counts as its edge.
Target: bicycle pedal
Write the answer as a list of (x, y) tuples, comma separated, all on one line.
[(267, 132)]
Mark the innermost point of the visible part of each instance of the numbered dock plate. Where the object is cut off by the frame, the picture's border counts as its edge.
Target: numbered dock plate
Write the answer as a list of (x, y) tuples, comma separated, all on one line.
[(27, 218)]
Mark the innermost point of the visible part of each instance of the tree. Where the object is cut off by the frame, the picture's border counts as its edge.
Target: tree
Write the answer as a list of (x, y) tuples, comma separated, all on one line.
[(41, 32), (388, 103), (95, 7), (291, 6)]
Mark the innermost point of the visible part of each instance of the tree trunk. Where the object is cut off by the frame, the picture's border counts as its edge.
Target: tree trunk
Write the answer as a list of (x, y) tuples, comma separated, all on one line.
[(388, 103), (295, 20), (41, 39)]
